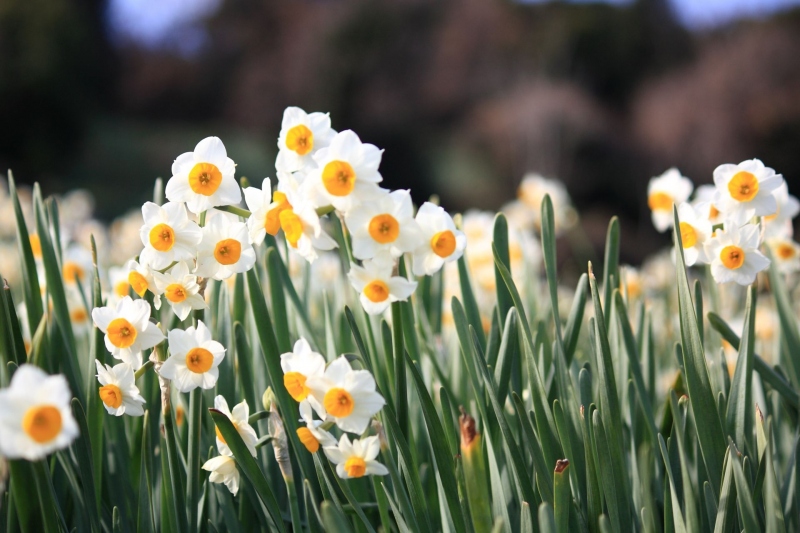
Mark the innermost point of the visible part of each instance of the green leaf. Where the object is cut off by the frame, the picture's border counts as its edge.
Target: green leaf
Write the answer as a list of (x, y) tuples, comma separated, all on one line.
[(470, 304), (772, 500), (744, 495), (333, 520), (726, 510), (572, 329), (30, 277), (739, 416), (549, 253), (508, 357), (504, 301), (787, 319), (82, 449), (563, 495), (611, 263), (547, 521), (248, 465), (615, 495), (144, 518)]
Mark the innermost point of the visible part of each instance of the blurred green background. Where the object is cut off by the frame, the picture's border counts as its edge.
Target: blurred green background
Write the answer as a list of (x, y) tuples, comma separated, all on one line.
[(465, 96)]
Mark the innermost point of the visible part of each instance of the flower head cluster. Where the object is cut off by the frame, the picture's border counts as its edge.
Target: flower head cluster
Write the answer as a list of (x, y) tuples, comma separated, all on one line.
[(223, 467)]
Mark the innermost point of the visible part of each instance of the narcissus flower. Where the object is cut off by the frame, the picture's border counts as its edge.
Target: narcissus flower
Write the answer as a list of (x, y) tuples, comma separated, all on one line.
[(119, 392), (168, 235), (704, 202), (786, 254), (298, 366), (223, 470), (356, 459), (301, 227), (302, 135), (180, 289), (225, 249), (531, 193), (384, 225), (347, 173), (377, 287), (35, 415), (194, 358), (440, 241), (204, 178), (239, 418), (313, 436), (695, 230), (662, 192), (140, 278), (263, 214), (745, 190), (346, 395), (779, 224), (127, 329), (734, 254), (77, 266)]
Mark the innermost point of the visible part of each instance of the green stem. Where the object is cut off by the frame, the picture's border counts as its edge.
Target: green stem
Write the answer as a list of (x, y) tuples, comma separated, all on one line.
[(322, 211), (145, 367), (234, 210), (398, 351), (255, 417), (193, 462), (294, 505)]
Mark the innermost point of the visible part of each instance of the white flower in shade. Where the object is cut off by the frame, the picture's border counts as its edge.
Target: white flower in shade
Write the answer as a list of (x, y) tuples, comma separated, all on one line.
[(734, 256), (180, 289), (695, 230), (204, 178), (78, 315), (346, 395), (168, 235), (127, 329), (239, 418), (118, 279), (140, 278), (779, 224), (119, 393), (302, 135), (313, 436), (664, 191), (704, 203), (35, 415), (383, 226), (225, 249), (786, 254), (194, 358), (745, 190), (377, 287), (440, 241), (347, 173), (77, 267), (223, 470), (298, 366), (356, 459), (531, 193), (301, 227)]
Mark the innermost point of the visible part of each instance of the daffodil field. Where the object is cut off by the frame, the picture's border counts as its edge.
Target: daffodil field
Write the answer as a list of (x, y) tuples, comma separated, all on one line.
[(315, 353)]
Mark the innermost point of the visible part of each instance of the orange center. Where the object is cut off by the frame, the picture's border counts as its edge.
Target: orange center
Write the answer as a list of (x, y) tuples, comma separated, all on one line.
[(162, 237), (121, 333), (338, 402), (295, 383), (228, 251), (355, 466), (36, 245), (292, 226), (339, 178), (732, 257), (785, 251), (376, 291), (205, 178), (688, 235), (384, 228), (300, 139), (272, 222), (199, 360), (660, 201), (443, 243), (111, 396), (42, 423), (138, 282), (72, 272), (175, 293), (743, 186), (308, 439)]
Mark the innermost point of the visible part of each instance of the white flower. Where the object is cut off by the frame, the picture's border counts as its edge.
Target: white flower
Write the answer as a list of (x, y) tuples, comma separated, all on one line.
[(119, 393), (118, 279), (779, 224), (377, 287), (194, 358), (346, 395), (440, 241), (35, 415), (695, 230), (181, 290), (263, 214), (745, 190), (704, 202), (77, 266), (225, 249), (140, 278), (223, 470), (662, 192), (786, 254), (384, 225), (313, 436), (168, 235), (204, 178), (734, 254), (298, 366), (357, 459), (127, 329), (347, 173), (301, 227), (531, 193), (78, 315), (302, 135), (239, 418)]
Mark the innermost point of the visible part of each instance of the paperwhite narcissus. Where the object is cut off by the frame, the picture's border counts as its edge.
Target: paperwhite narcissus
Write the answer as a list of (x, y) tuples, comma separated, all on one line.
[(263, 216), (223, 470), (384, 225), (786, 254), (77, 266), (356, 459), (194, 358), (779, 224), (347, 173), (35, 415), (531, 192), (662, 192), (127, 329), (140, 278), (440, 241), (734, 256), (298, 366), (302, 135), (239, 418), (118, 281), (346, 395), (119, 392), (204, 178), (180, 289), (704, 195), (313, 436), (301, 227), (377, 287), (225, 249), (167, 235), (745, 190), (695, 230)]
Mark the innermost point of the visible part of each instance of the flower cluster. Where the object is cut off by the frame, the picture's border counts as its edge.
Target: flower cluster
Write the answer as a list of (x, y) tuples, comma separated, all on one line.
[(726, 224)]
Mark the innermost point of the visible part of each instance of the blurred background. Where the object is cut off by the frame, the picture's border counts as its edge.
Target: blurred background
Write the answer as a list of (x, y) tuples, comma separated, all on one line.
[(465, 96)]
